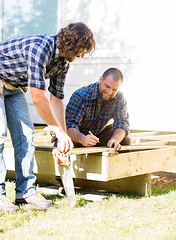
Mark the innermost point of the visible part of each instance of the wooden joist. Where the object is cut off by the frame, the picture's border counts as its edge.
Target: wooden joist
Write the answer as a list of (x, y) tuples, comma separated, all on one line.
[(92, 150)]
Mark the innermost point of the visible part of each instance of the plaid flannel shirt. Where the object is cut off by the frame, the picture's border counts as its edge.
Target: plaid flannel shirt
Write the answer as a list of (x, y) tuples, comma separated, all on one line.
[(28, 61), (84, 107)]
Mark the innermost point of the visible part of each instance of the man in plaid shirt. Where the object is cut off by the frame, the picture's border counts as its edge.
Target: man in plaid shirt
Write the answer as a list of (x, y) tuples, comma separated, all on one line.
[(28, 61), (91, 108)]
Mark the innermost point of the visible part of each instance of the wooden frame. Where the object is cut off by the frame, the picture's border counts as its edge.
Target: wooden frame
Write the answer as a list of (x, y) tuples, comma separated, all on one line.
[(105, 169)]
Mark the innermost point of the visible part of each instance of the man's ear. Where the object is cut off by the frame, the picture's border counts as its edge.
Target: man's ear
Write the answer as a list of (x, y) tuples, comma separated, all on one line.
[(100, 79)]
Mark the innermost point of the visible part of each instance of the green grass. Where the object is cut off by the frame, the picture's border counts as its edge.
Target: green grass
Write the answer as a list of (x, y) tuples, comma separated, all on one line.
[(116, 217)]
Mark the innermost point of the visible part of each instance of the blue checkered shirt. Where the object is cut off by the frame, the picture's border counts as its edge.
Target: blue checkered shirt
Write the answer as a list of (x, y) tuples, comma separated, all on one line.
[(30, 60), (84, 107)]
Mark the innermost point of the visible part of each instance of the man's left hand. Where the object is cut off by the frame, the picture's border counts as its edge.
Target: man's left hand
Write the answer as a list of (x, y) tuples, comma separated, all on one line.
[(113, 143)]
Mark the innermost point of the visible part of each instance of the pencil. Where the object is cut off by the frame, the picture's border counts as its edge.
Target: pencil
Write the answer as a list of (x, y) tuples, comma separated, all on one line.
[(92, 134)]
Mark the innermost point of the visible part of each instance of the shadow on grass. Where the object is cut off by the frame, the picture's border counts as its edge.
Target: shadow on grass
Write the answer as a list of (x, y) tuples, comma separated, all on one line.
[(2, 231), (81, 202), (53, 197)]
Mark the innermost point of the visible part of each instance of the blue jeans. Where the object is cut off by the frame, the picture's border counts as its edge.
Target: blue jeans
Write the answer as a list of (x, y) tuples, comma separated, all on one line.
[(14, 113)]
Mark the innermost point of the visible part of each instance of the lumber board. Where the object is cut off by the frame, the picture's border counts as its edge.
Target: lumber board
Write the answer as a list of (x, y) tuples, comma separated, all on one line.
[(141, 147), (79, 151), (91, 150), (106, 166), (140, 185), (153, 143), (136, 163), (42, 136), (109, 166), (167, 137), (161, 143), (149, 133), (143, 134)]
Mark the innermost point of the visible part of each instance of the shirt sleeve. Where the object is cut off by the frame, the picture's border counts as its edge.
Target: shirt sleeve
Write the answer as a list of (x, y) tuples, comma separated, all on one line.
[(75, 111), (57, 82), (37, 56), (121, 116)]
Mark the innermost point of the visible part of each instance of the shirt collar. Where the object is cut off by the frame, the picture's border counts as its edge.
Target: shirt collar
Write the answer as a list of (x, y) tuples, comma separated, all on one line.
[(56, 49)]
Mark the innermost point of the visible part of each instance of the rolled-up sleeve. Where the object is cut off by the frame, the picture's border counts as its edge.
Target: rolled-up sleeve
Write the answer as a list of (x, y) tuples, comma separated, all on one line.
[(75, 111), (121, 116), (57, 82)]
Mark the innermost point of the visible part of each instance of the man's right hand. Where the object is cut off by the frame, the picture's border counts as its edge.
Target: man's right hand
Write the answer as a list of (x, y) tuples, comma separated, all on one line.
[(64, 142), (89, 140)]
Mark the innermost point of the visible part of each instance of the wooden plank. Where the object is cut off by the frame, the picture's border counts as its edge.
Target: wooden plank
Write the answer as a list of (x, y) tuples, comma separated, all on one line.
[(152, 143), (79, 151), (44, 142), (142, 134), (167, 137), (157, 143), (141, 147), (91, 166), (136, 163), (149, 133), (137, 185), (108, 165), (91, 150), (140, 185), (45, 162), (140, 130)]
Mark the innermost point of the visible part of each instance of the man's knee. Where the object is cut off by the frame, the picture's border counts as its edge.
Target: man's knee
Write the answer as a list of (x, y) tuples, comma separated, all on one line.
[(126, 141)]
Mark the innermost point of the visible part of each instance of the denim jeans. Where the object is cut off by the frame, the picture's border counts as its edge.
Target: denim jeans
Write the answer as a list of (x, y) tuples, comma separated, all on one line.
[(14, 114)]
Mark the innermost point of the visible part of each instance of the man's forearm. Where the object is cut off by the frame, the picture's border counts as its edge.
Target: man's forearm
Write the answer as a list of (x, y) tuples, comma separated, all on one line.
[(59, 110), (75, 135), (118, 135), (43, 107)]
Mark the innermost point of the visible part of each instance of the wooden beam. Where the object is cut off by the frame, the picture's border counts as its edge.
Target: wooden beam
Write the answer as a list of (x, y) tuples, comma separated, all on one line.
[(152, 143), (142, 134), (149, 133), (108, 165), (167, 137), (136, 163), (140, 185), (91, 150)]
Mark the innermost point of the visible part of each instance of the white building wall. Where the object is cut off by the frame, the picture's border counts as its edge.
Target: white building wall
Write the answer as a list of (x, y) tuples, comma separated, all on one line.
[(137, 37)]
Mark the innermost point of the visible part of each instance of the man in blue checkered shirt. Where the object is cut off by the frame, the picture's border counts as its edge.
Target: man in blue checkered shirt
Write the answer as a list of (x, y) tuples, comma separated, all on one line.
[(91, 108), (28, 61)]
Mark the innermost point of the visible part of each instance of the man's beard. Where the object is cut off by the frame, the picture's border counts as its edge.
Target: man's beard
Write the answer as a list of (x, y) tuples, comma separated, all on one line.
[(102, 98)]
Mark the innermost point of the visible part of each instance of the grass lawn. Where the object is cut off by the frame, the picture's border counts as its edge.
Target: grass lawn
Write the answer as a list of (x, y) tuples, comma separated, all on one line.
[(116, 217)]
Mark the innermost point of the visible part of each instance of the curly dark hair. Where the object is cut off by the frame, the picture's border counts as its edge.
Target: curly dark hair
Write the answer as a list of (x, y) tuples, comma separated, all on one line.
[(76, 38)]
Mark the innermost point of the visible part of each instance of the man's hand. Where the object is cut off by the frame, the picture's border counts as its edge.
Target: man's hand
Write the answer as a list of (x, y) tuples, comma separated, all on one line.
[(113, 143), (89, 140), (64, 141), (116, 138)]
